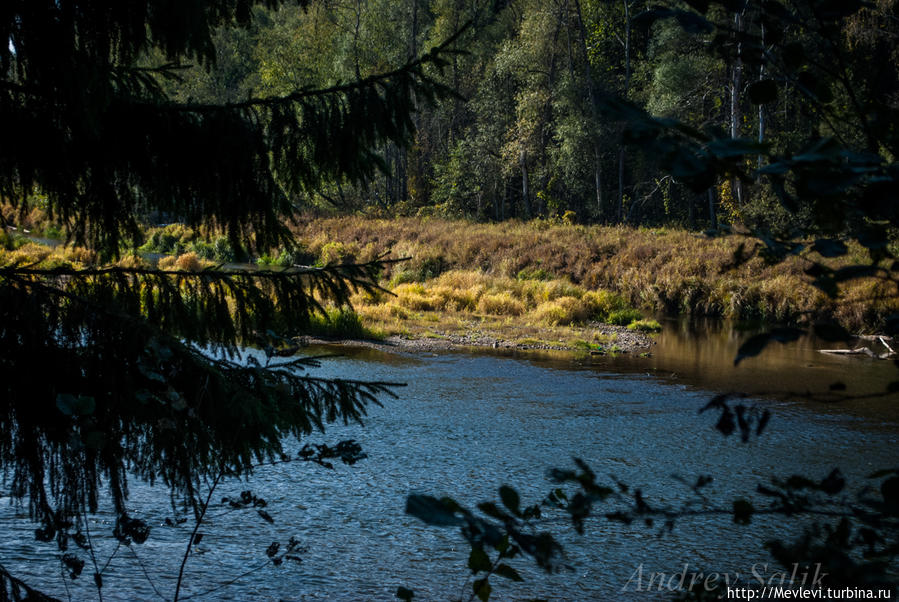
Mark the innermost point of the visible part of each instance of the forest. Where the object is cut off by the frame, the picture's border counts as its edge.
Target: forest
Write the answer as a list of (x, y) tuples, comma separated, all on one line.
[(536, 128)]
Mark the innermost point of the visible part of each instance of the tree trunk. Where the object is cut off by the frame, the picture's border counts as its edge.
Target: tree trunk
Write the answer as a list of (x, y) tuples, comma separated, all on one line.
[(525, 200), (627, 85), (736, 113), (591, 90), (691, 212), (713, 216), (761, 106)]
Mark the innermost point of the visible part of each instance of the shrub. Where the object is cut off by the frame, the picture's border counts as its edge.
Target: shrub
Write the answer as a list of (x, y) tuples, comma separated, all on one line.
[(533, 273), (645, 326), (340, 322), (602, 303), (188, 262), (458, 299), (132, 261), (500, 304), (623, 317), (562, 311), (333, 253), (414, 297), (555, 289)]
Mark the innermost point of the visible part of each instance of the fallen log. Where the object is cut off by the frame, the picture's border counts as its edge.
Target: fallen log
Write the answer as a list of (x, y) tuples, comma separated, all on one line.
[(859, 351)]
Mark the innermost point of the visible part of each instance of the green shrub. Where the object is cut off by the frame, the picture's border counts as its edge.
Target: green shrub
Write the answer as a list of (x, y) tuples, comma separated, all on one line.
[(645, 326), (339, 322), (603, 303), (623, 317), (533, 273)]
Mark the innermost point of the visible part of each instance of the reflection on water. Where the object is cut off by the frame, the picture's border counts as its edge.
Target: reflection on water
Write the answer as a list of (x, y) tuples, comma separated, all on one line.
[(700, 354), (465, 425)]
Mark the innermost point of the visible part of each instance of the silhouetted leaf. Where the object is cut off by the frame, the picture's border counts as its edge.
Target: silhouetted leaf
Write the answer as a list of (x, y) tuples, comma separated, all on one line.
[(507, 572), (735, 147), (129, 529), (743, 511), (492, 510), (74, 564), (478, 560), (763, 422), (482, 589), (832, 483), (441, 513), (726, 423), (889, 489), (510, 499), (70, 405)]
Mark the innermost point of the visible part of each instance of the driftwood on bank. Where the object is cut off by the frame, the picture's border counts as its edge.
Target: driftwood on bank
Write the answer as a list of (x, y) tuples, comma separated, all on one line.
[(890, 353)]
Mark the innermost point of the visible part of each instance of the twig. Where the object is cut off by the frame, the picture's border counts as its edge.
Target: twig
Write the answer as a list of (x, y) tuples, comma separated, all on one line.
[(193, 533), (98, 582), (146, 574), (231, 582)]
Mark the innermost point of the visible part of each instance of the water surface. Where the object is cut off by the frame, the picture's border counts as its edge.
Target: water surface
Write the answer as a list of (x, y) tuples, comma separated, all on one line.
[(466, 424)]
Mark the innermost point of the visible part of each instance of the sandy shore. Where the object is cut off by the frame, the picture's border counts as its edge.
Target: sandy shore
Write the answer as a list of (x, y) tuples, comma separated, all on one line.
[(625, 341)]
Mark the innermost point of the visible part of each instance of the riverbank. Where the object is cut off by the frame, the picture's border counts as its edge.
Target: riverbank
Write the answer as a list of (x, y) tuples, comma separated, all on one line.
[(543, 283), (661, 271), (618, 340)]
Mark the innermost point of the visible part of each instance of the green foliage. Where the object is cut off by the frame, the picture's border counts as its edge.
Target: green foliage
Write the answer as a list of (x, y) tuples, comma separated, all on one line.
[(624, 317), (645, 326), (533, 273), (338, 323)]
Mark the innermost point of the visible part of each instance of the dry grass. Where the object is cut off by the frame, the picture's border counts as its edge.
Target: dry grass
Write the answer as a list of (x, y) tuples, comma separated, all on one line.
[(187, 262), (664, 271)]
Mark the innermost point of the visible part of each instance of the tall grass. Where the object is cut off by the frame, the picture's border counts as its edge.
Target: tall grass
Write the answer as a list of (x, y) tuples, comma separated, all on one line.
[(664, 271)]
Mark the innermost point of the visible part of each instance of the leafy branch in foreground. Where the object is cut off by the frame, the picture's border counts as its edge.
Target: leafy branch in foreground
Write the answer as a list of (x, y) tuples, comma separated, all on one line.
[(127, 361), (852, 537)]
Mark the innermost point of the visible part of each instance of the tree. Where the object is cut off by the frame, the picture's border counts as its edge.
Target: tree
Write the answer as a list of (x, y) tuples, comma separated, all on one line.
[(127, 370)]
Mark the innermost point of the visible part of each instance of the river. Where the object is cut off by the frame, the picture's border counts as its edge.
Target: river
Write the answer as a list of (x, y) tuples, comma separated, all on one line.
[(466, 424)]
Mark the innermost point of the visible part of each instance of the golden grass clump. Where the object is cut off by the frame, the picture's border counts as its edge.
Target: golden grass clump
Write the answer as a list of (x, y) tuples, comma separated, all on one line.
[(601, 303), (563, 311), (188, 262), (500, 304), (29, 254), (383, 312), (133, 262), (556, 289), (455, 299), (416, 298)]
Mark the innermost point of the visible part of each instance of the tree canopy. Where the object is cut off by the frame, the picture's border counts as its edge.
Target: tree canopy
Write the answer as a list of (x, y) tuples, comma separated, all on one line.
[(125, 370)]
